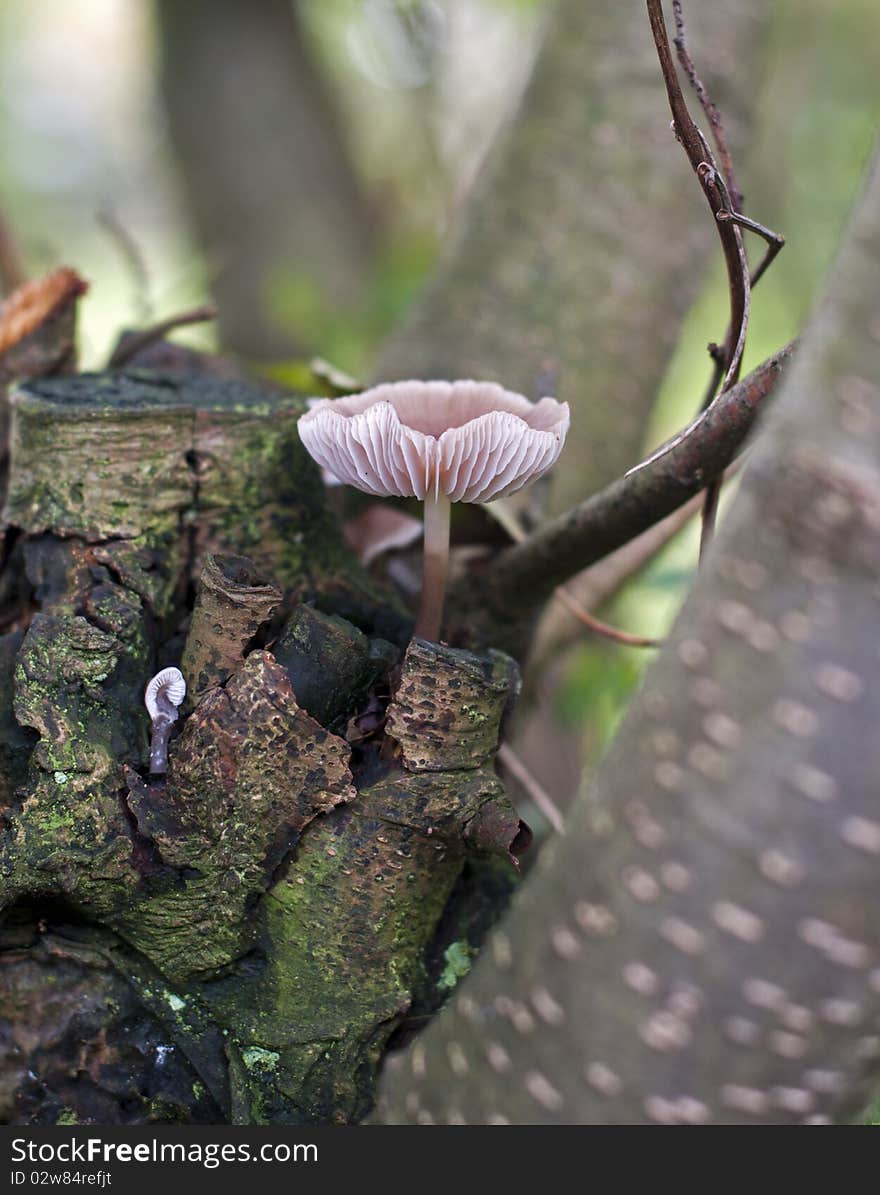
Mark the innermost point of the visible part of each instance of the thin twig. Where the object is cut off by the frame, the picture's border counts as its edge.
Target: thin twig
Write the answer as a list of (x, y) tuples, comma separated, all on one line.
[(775, 241), (540, 798), (504, 517), (725, 200), (133, 344), (715, 190), (597, 626), (709, 106), (598, 584)]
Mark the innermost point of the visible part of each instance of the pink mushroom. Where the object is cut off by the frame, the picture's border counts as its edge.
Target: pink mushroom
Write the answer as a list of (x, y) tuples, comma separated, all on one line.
[(442, 442)]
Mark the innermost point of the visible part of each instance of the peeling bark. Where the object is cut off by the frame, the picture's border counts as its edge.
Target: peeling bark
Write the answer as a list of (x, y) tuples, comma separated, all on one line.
[(232, 603)]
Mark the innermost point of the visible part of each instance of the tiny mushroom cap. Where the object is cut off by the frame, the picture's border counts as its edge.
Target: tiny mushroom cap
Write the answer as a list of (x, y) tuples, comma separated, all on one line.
[(167, 688), (466, 441), (443, 442)]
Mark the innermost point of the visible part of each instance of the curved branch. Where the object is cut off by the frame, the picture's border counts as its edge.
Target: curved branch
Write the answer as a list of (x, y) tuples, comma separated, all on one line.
[(522, 578)]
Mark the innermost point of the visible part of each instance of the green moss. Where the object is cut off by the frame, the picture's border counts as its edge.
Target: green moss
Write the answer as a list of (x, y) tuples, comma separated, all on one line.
[(256, 1058), (458, 963)]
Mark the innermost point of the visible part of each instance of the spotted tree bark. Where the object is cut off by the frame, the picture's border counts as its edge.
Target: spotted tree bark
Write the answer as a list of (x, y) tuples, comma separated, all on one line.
[(703, 944)]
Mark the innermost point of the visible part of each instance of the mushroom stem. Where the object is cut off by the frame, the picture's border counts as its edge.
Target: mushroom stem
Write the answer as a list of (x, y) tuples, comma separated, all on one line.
[(159, 746), (162, 724), (434, 568)]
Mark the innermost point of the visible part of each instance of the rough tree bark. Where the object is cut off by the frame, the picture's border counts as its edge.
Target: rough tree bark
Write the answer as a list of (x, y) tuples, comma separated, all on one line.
[(703, 944)]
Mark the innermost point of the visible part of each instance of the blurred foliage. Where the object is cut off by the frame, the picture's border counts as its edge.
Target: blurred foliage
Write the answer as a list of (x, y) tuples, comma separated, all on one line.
[(422, 86), (598, 684), (350, 337)]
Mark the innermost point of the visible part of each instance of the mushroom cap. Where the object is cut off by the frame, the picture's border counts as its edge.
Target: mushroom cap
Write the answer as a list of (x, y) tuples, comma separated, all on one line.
[(168, 683), (469, 441)]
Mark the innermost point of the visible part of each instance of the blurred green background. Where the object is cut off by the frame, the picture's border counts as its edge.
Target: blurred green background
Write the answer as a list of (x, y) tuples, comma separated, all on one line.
[(126, 171)]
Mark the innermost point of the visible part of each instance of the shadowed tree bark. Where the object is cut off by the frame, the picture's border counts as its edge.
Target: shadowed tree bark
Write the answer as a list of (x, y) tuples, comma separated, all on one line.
[(276, 204), (702, 945), (566, 257)]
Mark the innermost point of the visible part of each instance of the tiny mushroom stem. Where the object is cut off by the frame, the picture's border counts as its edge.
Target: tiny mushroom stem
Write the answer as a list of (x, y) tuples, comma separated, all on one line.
[(435, 567), (163, 695), (442, 442)]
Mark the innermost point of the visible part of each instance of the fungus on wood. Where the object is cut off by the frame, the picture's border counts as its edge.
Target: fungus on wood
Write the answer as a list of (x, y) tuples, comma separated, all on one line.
[(270, 900)]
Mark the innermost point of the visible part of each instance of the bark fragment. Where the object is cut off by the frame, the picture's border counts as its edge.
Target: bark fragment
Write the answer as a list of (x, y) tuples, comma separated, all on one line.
[(232, 602)]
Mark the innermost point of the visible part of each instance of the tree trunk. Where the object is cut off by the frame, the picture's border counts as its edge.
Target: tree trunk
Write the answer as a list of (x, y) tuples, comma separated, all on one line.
[(277, 207), (703, 944)]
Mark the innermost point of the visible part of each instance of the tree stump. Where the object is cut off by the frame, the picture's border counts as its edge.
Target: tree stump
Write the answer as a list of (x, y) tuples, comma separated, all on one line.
[(257, 922)]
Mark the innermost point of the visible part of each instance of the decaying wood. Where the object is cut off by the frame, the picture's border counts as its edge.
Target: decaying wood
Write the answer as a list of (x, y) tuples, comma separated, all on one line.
[(232, 602), (268, 907)]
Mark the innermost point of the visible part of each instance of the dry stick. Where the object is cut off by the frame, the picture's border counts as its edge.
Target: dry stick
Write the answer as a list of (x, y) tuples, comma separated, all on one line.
[(774, 241), (704, 166), (524, 576), (714, 188), (596, 585), (708, 104), (601, 628), (140, 340), (567, 599), (540, 798)]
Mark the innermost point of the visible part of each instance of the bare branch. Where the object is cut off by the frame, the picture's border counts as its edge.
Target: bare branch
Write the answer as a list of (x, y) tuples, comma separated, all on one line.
[(725, 199), (510, 762), (708, 104), (132, 345), (522, 578), (706, 169)]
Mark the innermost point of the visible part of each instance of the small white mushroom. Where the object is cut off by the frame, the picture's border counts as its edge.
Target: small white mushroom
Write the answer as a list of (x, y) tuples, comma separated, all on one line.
[(163, 695), (442, 442)]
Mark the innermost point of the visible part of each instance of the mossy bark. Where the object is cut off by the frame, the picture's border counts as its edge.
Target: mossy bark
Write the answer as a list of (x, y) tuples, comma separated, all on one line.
[(265, 910)]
